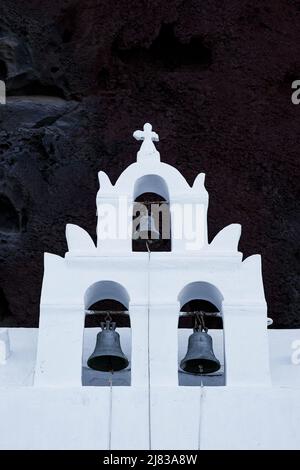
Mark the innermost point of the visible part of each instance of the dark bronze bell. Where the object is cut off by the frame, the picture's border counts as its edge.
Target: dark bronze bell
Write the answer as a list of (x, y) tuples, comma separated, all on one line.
[(108, 355), (200, 358)]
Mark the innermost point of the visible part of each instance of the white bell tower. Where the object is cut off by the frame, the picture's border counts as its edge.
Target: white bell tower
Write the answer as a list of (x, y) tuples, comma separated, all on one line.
[(149, 174), (154, 287)]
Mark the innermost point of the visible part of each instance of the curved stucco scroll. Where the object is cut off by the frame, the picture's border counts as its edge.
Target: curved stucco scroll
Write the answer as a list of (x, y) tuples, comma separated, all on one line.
[(78, 238), (227, 239)]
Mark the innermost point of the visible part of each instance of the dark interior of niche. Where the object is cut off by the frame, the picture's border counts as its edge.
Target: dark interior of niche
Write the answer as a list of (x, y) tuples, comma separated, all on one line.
[(121, 316), (154, 245), (187, 318), (169, 51), (118, 312)]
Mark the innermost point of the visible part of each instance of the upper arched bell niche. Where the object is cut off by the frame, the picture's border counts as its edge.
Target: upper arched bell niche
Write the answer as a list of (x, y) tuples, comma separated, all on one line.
[(103, 290), (139, 173), (148, 175), (151, 217), (106, 296), (203, 291), (200, 296), (151, 184)]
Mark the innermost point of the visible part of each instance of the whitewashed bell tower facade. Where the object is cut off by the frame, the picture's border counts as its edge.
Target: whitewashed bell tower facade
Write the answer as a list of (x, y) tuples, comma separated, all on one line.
[(50, 399), (153, 287)]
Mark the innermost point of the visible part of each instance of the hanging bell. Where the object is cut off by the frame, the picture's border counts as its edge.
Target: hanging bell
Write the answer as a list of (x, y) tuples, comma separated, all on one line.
[(147, 229), (200, 358), (108, 355)]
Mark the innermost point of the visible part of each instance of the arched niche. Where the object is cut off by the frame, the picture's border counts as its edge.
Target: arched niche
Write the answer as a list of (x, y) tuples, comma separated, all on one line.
[(151, 199), (201, 290), (102, 290), (205, 297), (151, 184), (101, 299)]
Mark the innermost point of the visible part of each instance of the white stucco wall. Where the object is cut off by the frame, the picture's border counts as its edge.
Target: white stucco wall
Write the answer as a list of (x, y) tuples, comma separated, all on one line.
[(187, 417), (47, 395)]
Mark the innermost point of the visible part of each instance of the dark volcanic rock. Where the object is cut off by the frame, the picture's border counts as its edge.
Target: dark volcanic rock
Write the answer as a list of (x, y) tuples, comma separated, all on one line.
[(215, 81)]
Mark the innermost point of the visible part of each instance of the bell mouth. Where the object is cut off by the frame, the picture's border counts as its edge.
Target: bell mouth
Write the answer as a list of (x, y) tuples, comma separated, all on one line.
[(107, 363), (195, 366), (146, 235)]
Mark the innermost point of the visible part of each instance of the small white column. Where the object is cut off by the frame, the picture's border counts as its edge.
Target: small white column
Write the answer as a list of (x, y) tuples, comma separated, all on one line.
[(139, 345), (163, 344), (4, 345), (246, 345), (60, 343)]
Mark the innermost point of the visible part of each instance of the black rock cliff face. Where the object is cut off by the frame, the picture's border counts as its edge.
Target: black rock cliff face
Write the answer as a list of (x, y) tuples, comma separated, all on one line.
[(214, 78)]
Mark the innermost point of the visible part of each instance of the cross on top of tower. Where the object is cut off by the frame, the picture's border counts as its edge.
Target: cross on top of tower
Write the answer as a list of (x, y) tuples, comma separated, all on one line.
[(148, 137), (146, 134)]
